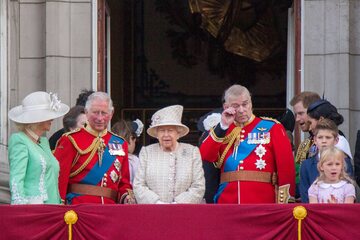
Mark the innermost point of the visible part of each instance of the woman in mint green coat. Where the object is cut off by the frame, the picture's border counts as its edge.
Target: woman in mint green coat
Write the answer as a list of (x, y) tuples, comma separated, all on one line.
[(34, 171)]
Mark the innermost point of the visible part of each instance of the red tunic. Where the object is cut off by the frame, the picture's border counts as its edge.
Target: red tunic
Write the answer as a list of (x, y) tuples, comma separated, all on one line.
[(116, 177), (278, 158)]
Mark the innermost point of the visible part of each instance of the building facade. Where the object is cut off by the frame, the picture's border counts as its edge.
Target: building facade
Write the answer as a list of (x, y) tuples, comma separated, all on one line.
[(54, 46)]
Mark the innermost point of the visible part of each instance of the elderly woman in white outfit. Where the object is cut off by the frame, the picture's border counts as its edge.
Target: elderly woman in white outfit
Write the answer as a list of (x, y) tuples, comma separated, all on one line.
[(170, 171)]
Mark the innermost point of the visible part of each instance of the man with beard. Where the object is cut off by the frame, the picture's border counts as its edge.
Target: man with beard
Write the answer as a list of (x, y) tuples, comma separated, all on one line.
[(300, 104)]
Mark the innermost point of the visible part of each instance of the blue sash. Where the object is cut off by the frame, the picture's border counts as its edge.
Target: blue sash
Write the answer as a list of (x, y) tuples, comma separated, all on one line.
[(244, 150), (97, 172)]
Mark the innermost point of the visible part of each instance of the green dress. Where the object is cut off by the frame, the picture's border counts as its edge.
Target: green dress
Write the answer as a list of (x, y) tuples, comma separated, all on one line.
[(34, 171)]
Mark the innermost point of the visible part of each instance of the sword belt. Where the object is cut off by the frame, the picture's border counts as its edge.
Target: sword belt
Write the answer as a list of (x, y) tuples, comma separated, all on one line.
[(251, 176), (92, 190)]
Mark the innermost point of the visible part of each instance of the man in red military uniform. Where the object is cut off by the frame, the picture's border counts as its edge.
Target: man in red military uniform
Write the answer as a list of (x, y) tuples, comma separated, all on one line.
[(94, 165), (254, 154)]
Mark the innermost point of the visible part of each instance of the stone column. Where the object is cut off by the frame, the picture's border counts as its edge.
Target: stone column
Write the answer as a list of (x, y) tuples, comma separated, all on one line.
[(328, 57)]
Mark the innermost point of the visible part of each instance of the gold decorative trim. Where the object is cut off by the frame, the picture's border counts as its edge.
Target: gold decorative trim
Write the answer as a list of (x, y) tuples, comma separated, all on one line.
[(213, 135), (270, 119), (229, 140), (94, 146), (301, 153)]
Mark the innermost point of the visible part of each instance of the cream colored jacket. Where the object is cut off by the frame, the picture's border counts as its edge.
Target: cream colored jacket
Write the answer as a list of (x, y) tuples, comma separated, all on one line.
[(175, 177)]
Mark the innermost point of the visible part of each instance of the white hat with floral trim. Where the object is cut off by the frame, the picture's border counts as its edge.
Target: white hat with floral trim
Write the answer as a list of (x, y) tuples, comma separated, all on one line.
[(168, 116), (38, 107)]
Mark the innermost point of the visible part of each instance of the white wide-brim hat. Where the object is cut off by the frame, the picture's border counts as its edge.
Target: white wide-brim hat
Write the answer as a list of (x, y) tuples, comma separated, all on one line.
[(168, 116), (38, 107)]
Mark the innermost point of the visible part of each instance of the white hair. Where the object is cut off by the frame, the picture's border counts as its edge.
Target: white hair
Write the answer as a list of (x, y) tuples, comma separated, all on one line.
[(99, 96)]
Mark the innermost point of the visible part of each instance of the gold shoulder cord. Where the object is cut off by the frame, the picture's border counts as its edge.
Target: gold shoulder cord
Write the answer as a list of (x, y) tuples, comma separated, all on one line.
[(302, 150), (229, 140), (92, 148)]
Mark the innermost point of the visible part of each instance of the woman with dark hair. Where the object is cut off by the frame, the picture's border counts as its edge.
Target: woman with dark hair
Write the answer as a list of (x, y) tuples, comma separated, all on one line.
[(130, 131), (74, 119), (324, 109)]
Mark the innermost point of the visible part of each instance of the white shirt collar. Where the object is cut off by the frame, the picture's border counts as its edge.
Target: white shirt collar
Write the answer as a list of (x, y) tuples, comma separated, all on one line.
[(334, 185)]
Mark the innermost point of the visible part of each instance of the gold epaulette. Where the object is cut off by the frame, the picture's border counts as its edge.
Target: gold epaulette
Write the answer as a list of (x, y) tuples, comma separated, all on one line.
[(117, 135), (213, 135), (72, 132), (270, 119)]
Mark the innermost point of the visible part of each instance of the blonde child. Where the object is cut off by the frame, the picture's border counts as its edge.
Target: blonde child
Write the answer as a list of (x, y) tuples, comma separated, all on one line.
[(333, 184)]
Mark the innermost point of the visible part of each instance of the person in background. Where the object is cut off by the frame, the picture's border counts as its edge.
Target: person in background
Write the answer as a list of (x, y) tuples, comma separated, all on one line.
[(333, 184), (287, 119), (325, 135), (130, 131), (211, 172), (80, 101), (300, 104), (82, 97), (170, 171), (254, 154), (34, 170), (324, 109), (357, 160), (94, 165), (74, 119)]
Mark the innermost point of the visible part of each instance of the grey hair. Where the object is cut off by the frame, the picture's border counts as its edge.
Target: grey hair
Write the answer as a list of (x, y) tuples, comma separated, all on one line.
[(235, 91), (99, 96)]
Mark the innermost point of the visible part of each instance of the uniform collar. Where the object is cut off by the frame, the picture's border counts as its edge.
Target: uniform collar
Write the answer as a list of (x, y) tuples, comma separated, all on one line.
[(95, 133), (246, 123)]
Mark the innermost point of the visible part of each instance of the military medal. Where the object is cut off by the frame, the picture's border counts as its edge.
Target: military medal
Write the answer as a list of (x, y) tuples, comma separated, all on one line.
[(259, 138), (114, 177), (116, 149), (117, 165), (260, 164), (260, 151)]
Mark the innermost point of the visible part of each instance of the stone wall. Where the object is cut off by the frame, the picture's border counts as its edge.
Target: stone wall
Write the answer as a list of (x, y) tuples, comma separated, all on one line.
[(331, 57), (49, 49)]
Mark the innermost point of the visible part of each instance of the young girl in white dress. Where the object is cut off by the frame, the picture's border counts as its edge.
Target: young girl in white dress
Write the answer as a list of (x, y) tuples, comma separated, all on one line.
[(333, 184)]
